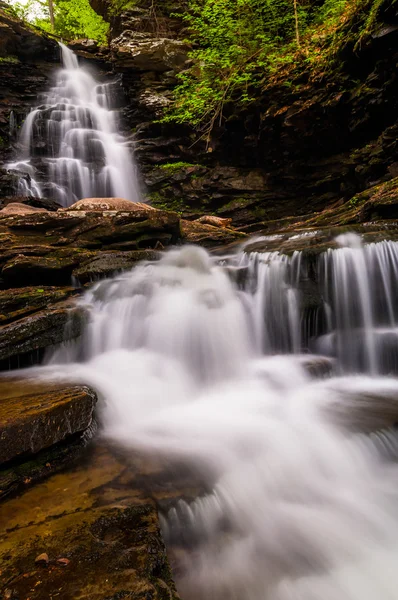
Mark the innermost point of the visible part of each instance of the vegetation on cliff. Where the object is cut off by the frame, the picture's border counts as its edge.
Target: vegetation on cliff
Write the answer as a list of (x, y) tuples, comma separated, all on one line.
[(240, 46), (66, 18)]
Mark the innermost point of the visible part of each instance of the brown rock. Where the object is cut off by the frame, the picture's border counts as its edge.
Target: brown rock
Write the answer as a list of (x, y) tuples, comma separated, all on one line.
[(41, 330), (42, 559), (64, 562), (208, 235), (33, 419), (215, 221), (105, 204), (16, 208)]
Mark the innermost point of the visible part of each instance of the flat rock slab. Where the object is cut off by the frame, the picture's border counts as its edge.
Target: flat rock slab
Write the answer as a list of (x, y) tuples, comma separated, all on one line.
[(50, 326), (37, 416), (98, 528)]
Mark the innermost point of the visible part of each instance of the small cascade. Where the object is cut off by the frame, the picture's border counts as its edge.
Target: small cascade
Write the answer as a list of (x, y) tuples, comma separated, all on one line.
[(359, 285), (70, 147), (200, 360)]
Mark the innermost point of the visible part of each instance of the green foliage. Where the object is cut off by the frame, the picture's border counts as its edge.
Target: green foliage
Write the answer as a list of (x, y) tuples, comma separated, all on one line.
[(240, 46), (177, 166), (72, 18), (9, 59)]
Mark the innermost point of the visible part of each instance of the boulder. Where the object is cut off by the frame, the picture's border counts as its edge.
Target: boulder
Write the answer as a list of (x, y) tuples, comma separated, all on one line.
[(34, 419)]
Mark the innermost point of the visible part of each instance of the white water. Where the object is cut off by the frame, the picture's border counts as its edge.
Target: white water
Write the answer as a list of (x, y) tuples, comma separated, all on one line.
[(300, 505), (70, 147)]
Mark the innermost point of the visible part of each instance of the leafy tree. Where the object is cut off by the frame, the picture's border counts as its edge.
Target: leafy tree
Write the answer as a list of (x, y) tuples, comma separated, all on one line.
[(240, 45), (66, 18)]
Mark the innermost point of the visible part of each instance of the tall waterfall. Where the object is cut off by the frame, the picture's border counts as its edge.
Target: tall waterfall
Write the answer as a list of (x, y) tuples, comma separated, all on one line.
[(201, 360), (70, 147)]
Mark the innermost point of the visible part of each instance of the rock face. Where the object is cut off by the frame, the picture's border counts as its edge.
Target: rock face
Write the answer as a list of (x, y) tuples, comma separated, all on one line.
[(26, 63), (43, 427), (96, 238), (98, 528), (39, 419), (297, 150)]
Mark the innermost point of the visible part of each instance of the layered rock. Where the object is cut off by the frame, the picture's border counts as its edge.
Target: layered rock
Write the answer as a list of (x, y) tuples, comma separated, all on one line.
[(41, 417), (95, 238), (43, 426), (92, 531), (27, 59)]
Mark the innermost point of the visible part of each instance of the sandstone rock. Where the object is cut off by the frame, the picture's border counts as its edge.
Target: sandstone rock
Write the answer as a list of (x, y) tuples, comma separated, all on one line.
[(54, 268), (20, 209), (45, 203), (100, 517), (208, 235), (142, 53), (42, 559), (21, 302), (106, 204), (33, 421), (215, 221), (41, 330)]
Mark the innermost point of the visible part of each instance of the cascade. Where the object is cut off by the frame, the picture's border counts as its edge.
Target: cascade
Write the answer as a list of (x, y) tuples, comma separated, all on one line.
[(70, 146), (200, 360)]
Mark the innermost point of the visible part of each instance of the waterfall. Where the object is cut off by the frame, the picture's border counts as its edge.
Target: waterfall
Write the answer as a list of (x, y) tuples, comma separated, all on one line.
[(70, 147), (202, 360)]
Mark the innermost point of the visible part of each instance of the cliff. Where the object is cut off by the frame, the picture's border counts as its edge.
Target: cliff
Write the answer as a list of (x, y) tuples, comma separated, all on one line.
[(305, 144)]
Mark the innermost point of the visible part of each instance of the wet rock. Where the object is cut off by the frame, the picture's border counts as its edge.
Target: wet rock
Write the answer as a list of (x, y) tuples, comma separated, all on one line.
[(208, 235), (98, 516), (107, 263), (33, 421), (45, 328), (54, 268), (21, 302), (319, 367)]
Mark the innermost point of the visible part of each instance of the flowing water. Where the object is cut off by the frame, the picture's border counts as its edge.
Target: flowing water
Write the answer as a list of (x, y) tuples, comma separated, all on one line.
[(203, 360), (70, 147), (210, 362)]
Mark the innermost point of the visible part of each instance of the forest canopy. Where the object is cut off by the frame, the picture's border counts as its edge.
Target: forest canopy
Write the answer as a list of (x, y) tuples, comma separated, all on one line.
[(240, 46), (69, 19)]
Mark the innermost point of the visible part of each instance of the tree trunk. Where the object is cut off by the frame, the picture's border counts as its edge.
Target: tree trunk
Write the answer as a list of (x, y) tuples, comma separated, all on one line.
[(51, 9), (296, 20)]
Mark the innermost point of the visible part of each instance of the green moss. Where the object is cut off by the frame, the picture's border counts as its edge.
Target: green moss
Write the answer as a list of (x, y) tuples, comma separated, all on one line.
[(9, 59), (177, 205), (177, 166)]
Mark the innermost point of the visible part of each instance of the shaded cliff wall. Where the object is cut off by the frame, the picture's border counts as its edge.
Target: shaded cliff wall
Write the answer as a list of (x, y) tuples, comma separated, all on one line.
[(26, 62), (305, 144)]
